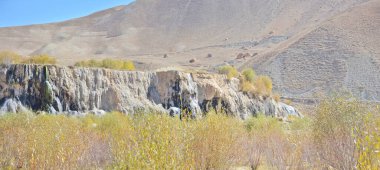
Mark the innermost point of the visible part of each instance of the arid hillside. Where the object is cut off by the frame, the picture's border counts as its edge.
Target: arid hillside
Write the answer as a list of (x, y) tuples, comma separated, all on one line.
[(148, 27), (342, 53), (306, 46)]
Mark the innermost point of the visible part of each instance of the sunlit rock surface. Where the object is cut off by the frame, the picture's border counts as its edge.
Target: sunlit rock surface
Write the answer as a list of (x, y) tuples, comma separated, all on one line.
[(77, 91)]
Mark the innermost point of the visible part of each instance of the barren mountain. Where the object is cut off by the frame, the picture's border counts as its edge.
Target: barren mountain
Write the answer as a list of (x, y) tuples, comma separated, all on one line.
[(342, 53), (306, 46), (164, 26)]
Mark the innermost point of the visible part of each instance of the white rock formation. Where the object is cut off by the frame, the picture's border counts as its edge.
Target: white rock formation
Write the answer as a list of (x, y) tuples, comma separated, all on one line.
[(58, 89)]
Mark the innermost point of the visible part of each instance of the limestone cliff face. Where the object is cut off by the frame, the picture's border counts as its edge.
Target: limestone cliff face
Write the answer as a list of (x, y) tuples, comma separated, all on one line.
[(67, 90)]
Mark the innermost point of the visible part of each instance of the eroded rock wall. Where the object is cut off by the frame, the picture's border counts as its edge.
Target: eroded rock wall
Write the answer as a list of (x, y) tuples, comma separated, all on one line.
[(68, 90)]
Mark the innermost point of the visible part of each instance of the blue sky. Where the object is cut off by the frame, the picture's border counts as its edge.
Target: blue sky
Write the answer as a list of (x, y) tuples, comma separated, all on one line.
[(26, 12)]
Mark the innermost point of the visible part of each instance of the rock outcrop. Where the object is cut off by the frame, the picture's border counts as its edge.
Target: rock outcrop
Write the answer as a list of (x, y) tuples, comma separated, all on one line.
[(57, 89)]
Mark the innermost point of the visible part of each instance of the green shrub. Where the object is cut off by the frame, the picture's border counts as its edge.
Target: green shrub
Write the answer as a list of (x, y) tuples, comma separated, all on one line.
[(108, 63), (230, 71), (249, 75), (40, 59)]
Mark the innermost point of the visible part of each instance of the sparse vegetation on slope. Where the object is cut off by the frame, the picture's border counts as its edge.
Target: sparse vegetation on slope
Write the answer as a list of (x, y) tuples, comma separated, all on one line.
[(108, 63), (249, 75), (249, 81), (40, 59), (230, 71), (263, 85), (9, 57)]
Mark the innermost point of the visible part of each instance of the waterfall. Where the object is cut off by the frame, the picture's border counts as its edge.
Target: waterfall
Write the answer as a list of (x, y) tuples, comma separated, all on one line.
[(59, 106), (9, 106), (12, 106)]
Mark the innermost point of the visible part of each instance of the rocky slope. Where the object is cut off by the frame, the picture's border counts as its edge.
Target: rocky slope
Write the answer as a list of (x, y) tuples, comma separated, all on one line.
[(342, 53), (81, 90)]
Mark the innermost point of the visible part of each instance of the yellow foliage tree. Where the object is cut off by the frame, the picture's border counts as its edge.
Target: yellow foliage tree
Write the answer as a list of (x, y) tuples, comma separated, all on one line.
[(368, 143)]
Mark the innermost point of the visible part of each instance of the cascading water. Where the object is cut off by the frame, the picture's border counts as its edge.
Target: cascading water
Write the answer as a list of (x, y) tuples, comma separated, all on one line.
[(12, 106), (58, 104)]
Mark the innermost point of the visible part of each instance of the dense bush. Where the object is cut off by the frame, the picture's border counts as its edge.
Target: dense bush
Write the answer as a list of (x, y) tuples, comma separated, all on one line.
[(346, 134), (333, 132), (340, 136), (263, 85), (108, 63), (249, 81), (249, 75), (267, 144), (148, 141), (230, 71), (247, 87)]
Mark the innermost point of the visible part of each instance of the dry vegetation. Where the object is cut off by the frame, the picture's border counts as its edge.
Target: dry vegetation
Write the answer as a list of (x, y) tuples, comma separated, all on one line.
[(230, 71), (346, 134), (341, 136), (249, 82), (40, 59), (8, 57), (108, 63)]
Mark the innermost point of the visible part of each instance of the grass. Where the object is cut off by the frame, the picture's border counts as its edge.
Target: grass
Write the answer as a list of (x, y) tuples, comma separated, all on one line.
[(157, 141), (40, 59), (9, 57), (108, 63)]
